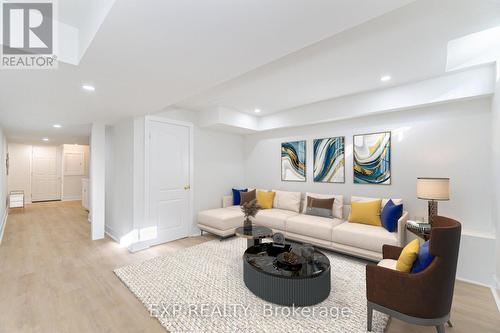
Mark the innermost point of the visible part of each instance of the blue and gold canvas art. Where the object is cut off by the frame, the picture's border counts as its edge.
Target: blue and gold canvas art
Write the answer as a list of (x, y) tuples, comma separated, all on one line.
[(372, 158), (293, 161), (329, 160)]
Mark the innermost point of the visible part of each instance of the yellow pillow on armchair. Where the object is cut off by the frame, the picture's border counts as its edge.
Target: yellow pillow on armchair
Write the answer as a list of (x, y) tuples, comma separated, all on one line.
[(366, 212), (408, 256), (265, 199)]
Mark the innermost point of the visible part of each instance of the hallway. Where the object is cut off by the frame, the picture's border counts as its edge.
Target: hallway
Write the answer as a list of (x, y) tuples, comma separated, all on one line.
[(53, 278)]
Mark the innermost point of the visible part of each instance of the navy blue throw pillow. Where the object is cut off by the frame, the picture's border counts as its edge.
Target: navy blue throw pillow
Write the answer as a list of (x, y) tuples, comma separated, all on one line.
[(237, 196), (424, 258), (390, 215)]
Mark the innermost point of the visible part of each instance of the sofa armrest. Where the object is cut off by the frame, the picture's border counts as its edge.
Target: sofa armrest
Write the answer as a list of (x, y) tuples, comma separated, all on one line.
[(227, 201), (391, 252), (402, 229)]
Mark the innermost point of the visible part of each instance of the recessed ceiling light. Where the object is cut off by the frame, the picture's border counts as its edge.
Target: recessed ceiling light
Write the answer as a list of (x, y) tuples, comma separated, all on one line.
[(257, 110), (56, 126), (385, 78), (88, 87), (45, 139)]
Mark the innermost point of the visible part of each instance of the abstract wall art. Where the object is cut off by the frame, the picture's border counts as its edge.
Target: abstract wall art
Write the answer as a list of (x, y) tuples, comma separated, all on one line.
[(372, 158), (293, 161), (329, 160)]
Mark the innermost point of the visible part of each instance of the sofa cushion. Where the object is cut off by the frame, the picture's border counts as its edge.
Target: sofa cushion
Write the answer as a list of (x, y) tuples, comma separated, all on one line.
[(388, 263), (363, 236), (287, 200), (338, 203), (221, 218), (312, 226), (273, 218)]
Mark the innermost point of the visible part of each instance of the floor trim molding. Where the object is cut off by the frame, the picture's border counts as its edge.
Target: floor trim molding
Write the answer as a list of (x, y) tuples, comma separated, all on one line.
[(108, 231), (496, 292), (4, 223), (473, 282)]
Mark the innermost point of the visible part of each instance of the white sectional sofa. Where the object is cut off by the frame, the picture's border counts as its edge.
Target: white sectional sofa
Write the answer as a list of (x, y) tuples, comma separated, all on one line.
[(287, 217)]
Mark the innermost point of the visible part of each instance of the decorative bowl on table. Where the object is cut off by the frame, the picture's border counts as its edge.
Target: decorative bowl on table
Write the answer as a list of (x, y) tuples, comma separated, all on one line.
[(290, 261)]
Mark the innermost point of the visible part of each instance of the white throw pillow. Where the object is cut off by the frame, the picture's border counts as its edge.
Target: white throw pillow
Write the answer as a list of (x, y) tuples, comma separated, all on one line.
[(338, 203), (287, 200)]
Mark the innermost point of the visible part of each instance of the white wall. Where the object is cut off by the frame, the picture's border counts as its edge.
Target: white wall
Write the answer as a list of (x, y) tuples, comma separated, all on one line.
[(97, 181), (450, 140), (218, 166), (72, 185), (20, 158), (119, 179), (20, 169), (3, 183), (496, 176)]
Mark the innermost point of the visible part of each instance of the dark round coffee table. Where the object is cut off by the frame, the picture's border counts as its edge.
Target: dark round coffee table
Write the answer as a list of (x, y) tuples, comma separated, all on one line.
[(254, 235), (304, 284)]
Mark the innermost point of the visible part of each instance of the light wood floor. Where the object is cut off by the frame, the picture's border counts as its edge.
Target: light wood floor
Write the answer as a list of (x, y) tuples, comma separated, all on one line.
[(53, 278)]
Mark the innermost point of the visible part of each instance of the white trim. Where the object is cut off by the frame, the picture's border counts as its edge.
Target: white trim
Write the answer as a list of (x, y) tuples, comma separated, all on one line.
[(4, 223), (495, 289), (478, 234), (108, 231), (73, 198), (190, 126), (472, 282), (139, 246)]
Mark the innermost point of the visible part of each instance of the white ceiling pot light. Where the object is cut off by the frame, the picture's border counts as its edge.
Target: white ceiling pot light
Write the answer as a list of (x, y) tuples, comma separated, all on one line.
[(88, 87), (57, 126), (385, 78), (45, 139), (257, 111)]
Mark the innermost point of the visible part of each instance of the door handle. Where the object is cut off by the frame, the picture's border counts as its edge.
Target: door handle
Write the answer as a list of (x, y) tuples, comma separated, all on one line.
[(187, 187)]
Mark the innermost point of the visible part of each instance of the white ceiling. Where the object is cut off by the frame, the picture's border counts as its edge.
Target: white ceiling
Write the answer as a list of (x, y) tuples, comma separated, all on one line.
[(150, 54), (236, 54), (409, 44)]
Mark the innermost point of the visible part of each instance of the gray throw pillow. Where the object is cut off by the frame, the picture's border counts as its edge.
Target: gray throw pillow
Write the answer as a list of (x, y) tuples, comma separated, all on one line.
[(320, 207)]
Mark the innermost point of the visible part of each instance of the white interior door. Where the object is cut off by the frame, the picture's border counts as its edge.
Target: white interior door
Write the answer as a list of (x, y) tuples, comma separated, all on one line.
[(168, 179), (45, 180)]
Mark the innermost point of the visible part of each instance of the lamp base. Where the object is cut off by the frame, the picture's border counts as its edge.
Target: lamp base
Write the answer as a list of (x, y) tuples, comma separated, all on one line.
[(433, 210)]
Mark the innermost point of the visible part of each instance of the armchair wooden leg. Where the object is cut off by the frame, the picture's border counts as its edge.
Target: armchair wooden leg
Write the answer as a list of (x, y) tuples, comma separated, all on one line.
[(369, 317), (440, 328), (449, 323)]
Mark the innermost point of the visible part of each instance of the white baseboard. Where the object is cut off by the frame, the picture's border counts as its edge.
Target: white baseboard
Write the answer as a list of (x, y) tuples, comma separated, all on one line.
[(139, 246), (72, 198), (4, 223), (496, 292), (108, 231), (473, 282)]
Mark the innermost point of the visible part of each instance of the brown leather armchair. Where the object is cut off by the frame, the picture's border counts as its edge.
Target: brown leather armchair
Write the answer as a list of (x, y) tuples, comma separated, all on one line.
[(422, 298)]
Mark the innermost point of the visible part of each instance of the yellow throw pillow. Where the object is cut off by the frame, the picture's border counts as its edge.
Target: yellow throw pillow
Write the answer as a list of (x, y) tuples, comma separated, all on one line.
[(408, 256), (265, 199), (366, 212)]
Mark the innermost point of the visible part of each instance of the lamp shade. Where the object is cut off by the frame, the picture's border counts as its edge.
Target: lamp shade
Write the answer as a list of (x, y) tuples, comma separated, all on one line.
[(433, 188)]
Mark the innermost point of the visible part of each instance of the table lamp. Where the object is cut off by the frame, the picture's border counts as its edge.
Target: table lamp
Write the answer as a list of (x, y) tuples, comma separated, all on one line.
[(433, 190)]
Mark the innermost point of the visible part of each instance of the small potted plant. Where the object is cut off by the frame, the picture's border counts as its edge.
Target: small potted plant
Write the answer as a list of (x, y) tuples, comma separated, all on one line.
[(250, 209)]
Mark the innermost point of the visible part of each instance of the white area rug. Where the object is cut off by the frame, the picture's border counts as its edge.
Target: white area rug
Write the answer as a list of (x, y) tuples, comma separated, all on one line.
[(201, 289)]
